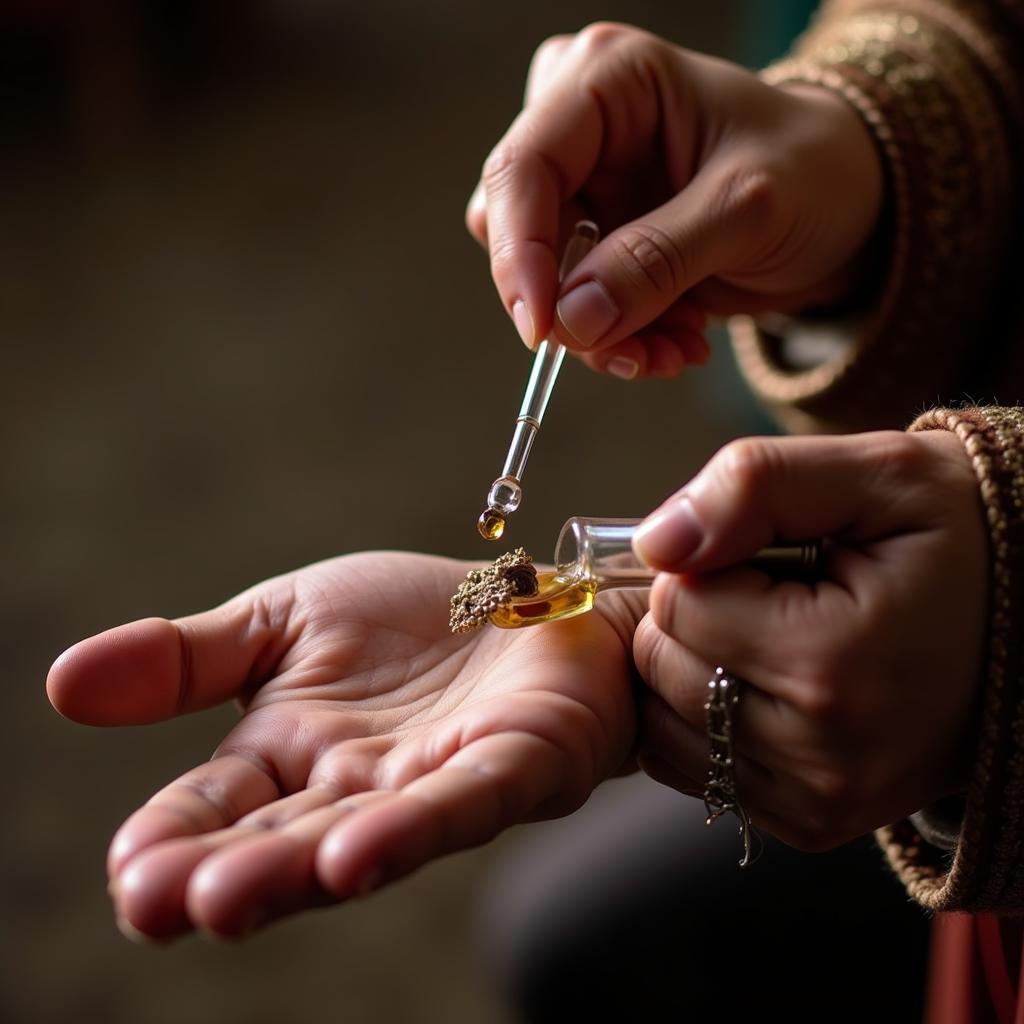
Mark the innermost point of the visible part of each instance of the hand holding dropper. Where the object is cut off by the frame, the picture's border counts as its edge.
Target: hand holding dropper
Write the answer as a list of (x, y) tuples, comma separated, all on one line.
[(506, 492)]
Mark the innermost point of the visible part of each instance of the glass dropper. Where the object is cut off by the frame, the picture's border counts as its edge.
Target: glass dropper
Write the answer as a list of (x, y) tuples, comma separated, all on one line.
[(506, 492), (594, 555)]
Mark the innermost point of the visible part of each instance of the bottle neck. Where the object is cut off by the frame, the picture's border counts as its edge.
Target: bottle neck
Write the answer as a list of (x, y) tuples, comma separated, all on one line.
[(601, 551)]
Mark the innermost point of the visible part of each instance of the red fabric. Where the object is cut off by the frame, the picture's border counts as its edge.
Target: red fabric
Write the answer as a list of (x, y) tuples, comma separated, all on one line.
[(975, 971)]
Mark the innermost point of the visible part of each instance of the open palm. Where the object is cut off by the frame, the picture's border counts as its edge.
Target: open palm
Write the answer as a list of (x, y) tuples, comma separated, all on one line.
[(372, 740)]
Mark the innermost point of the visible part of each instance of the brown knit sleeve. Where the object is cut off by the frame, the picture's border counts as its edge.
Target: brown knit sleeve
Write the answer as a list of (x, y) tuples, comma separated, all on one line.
[(986, 869), (938, 83)]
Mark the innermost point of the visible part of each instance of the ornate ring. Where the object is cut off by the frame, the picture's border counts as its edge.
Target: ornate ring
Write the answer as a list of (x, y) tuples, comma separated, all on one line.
[(720, 791)]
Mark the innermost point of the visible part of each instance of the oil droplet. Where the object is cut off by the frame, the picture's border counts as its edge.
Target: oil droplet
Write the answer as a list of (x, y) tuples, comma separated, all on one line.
[(491, 524)]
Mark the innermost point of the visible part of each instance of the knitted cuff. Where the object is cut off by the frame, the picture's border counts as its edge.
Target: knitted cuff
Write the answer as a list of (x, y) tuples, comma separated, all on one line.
[(925, 87), (986, 871)]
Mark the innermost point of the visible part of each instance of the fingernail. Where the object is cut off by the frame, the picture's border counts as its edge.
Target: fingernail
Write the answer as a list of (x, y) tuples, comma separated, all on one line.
[(524, 322), (587, 312), (668, 536), (622, 367)]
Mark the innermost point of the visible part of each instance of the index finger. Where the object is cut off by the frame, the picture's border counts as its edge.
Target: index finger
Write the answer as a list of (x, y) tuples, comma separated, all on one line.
[(543, 71), (540, 163)]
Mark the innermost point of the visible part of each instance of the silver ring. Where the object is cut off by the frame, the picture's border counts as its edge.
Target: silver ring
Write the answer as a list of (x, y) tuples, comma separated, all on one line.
[(720, 791)]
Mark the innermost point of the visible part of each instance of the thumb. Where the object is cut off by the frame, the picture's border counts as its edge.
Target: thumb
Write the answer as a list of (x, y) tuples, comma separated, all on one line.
[(154, 669), (637, 272), (760, 491)]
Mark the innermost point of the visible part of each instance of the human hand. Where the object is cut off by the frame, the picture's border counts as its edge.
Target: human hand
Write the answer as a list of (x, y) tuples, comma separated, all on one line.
[(861, 690), (371, 739), (716, 192)]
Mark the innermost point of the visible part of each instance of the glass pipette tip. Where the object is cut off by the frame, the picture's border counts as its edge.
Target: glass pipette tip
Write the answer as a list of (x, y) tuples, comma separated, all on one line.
[(506, 493)]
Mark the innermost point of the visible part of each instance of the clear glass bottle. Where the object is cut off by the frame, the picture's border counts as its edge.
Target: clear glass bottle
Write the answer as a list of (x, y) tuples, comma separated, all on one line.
[(593, 555)]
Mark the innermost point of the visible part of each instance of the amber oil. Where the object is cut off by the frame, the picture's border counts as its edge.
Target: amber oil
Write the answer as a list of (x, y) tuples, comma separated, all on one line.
[(558, 597), (491, 524)]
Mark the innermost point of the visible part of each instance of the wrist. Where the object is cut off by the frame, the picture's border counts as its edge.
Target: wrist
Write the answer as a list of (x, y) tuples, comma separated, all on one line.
[(844, 158)]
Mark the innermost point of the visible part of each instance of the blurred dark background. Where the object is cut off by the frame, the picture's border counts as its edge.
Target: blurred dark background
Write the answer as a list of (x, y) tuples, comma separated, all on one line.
[(243, 329)]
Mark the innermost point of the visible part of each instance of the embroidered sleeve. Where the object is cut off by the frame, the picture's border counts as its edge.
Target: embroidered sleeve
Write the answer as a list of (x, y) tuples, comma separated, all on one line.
[(939, 86), (985, 870)]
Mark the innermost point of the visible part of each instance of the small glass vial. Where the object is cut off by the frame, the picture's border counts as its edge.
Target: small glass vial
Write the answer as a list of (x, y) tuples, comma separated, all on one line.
[(592, 555)]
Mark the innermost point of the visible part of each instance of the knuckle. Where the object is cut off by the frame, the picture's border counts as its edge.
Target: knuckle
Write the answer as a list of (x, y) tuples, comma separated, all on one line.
[(213, 797), (499, 165), (551, 48), (751, 192), (503, 252), (476, 222), (546, 60), (651, 259), (832, 691), (747, 464), (898, 456), (820, 699), (834, 788), (598, 36), (831, 688)]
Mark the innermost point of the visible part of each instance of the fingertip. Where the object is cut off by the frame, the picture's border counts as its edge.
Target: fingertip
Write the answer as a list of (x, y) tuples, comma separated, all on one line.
[(215, 901), (667, 539), (383, 843), (665, 358), (694, 347), (476, 215), (622, 367), (150, 902), (526, 276), (523, 320), (118, 854), (334, 865), (627, 360), (130, 932), (129, 675), (144, 829), (252, 882)]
